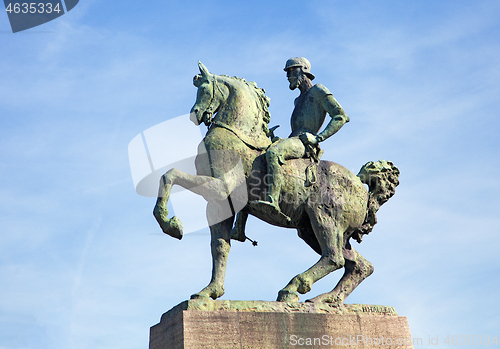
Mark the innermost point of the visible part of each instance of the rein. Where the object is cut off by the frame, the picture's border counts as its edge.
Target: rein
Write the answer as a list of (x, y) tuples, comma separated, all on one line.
[(237, 134)]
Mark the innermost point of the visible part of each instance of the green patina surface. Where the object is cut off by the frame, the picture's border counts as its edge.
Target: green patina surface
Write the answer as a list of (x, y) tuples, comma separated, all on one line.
[(281, 181), (279, 307)]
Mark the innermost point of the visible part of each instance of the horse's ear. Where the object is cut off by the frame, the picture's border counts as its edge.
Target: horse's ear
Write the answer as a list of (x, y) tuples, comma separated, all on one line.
[(203, 70)]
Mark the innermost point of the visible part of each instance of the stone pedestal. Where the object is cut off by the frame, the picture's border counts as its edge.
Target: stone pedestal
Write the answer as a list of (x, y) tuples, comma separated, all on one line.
[(256, 324)]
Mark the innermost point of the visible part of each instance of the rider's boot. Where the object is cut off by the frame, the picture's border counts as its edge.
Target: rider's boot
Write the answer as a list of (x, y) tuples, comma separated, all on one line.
[(274, 191), (238, 231), (271, 204)]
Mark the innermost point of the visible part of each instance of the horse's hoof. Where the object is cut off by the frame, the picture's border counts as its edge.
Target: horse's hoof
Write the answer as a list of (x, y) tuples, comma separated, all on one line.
[(172, 227), (208, 292), (326, 298), (175, 228), (313, 300), (287, 296), (199, 296)]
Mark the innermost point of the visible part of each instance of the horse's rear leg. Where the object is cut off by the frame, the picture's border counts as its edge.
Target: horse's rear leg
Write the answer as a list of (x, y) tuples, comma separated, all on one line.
[(330, 239), (357, 269), (220, 246)]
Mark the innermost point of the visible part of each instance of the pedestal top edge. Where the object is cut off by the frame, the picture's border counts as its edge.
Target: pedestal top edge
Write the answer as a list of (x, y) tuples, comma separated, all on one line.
[(279, 307)]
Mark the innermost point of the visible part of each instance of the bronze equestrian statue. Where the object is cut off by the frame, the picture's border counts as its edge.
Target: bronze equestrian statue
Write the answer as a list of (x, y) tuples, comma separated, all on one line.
[(325, 202)]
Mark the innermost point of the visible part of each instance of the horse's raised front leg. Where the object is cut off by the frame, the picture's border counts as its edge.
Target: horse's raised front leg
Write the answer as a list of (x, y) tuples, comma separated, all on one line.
[(220, 246), (208, 187), (357, 269), (173, 226), (330, 239)]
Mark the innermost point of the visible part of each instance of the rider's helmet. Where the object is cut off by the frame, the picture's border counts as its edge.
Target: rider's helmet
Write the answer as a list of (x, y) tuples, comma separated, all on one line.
[(300, 62)]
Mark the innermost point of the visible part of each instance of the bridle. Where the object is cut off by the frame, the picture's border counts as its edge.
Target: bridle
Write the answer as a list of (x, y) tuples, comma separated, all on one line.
[(211, 105)]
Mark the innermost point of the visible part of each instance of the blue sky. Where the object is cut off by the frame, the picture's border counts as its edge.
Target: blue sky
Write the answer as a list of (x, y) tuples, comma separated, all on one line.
[(83, 262)]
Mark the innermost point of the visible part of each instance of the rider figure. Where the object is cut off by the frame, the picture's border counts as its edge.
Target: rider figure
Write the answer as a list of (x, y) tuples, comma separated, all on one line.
[(308, 116)]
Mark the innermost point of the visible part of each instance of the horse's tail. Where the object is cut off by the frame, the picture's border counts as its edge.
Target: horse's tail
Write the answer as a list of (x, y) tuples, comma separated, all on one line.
[(382, 180)]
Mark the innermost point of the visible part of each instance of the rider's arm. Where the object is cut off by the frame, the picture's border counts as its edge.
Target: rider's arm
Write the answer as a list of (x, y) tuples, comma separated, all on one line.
[(338, 115)]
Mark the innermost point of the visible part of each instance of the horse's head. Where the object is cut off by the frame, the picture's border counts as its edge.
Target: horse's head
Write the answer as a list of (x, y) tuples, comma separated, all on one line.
[(234, 104), (208, 98)]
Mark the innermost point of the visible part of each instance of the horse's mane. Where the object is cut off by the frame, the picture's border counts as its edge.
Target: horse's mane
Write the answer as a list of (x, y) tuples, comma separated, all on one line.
[(265, 101)]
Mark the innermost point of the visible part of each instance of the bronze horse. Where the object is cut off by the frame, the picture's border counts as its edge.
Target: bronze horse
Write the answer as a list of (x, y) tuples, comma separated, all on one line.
[(327, 204)]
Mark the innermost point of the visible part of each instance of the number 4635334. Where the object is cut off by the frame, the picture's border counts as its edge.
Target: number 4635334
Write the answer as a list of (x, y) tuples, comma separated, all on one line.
[(32, 7), (471, 340)]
